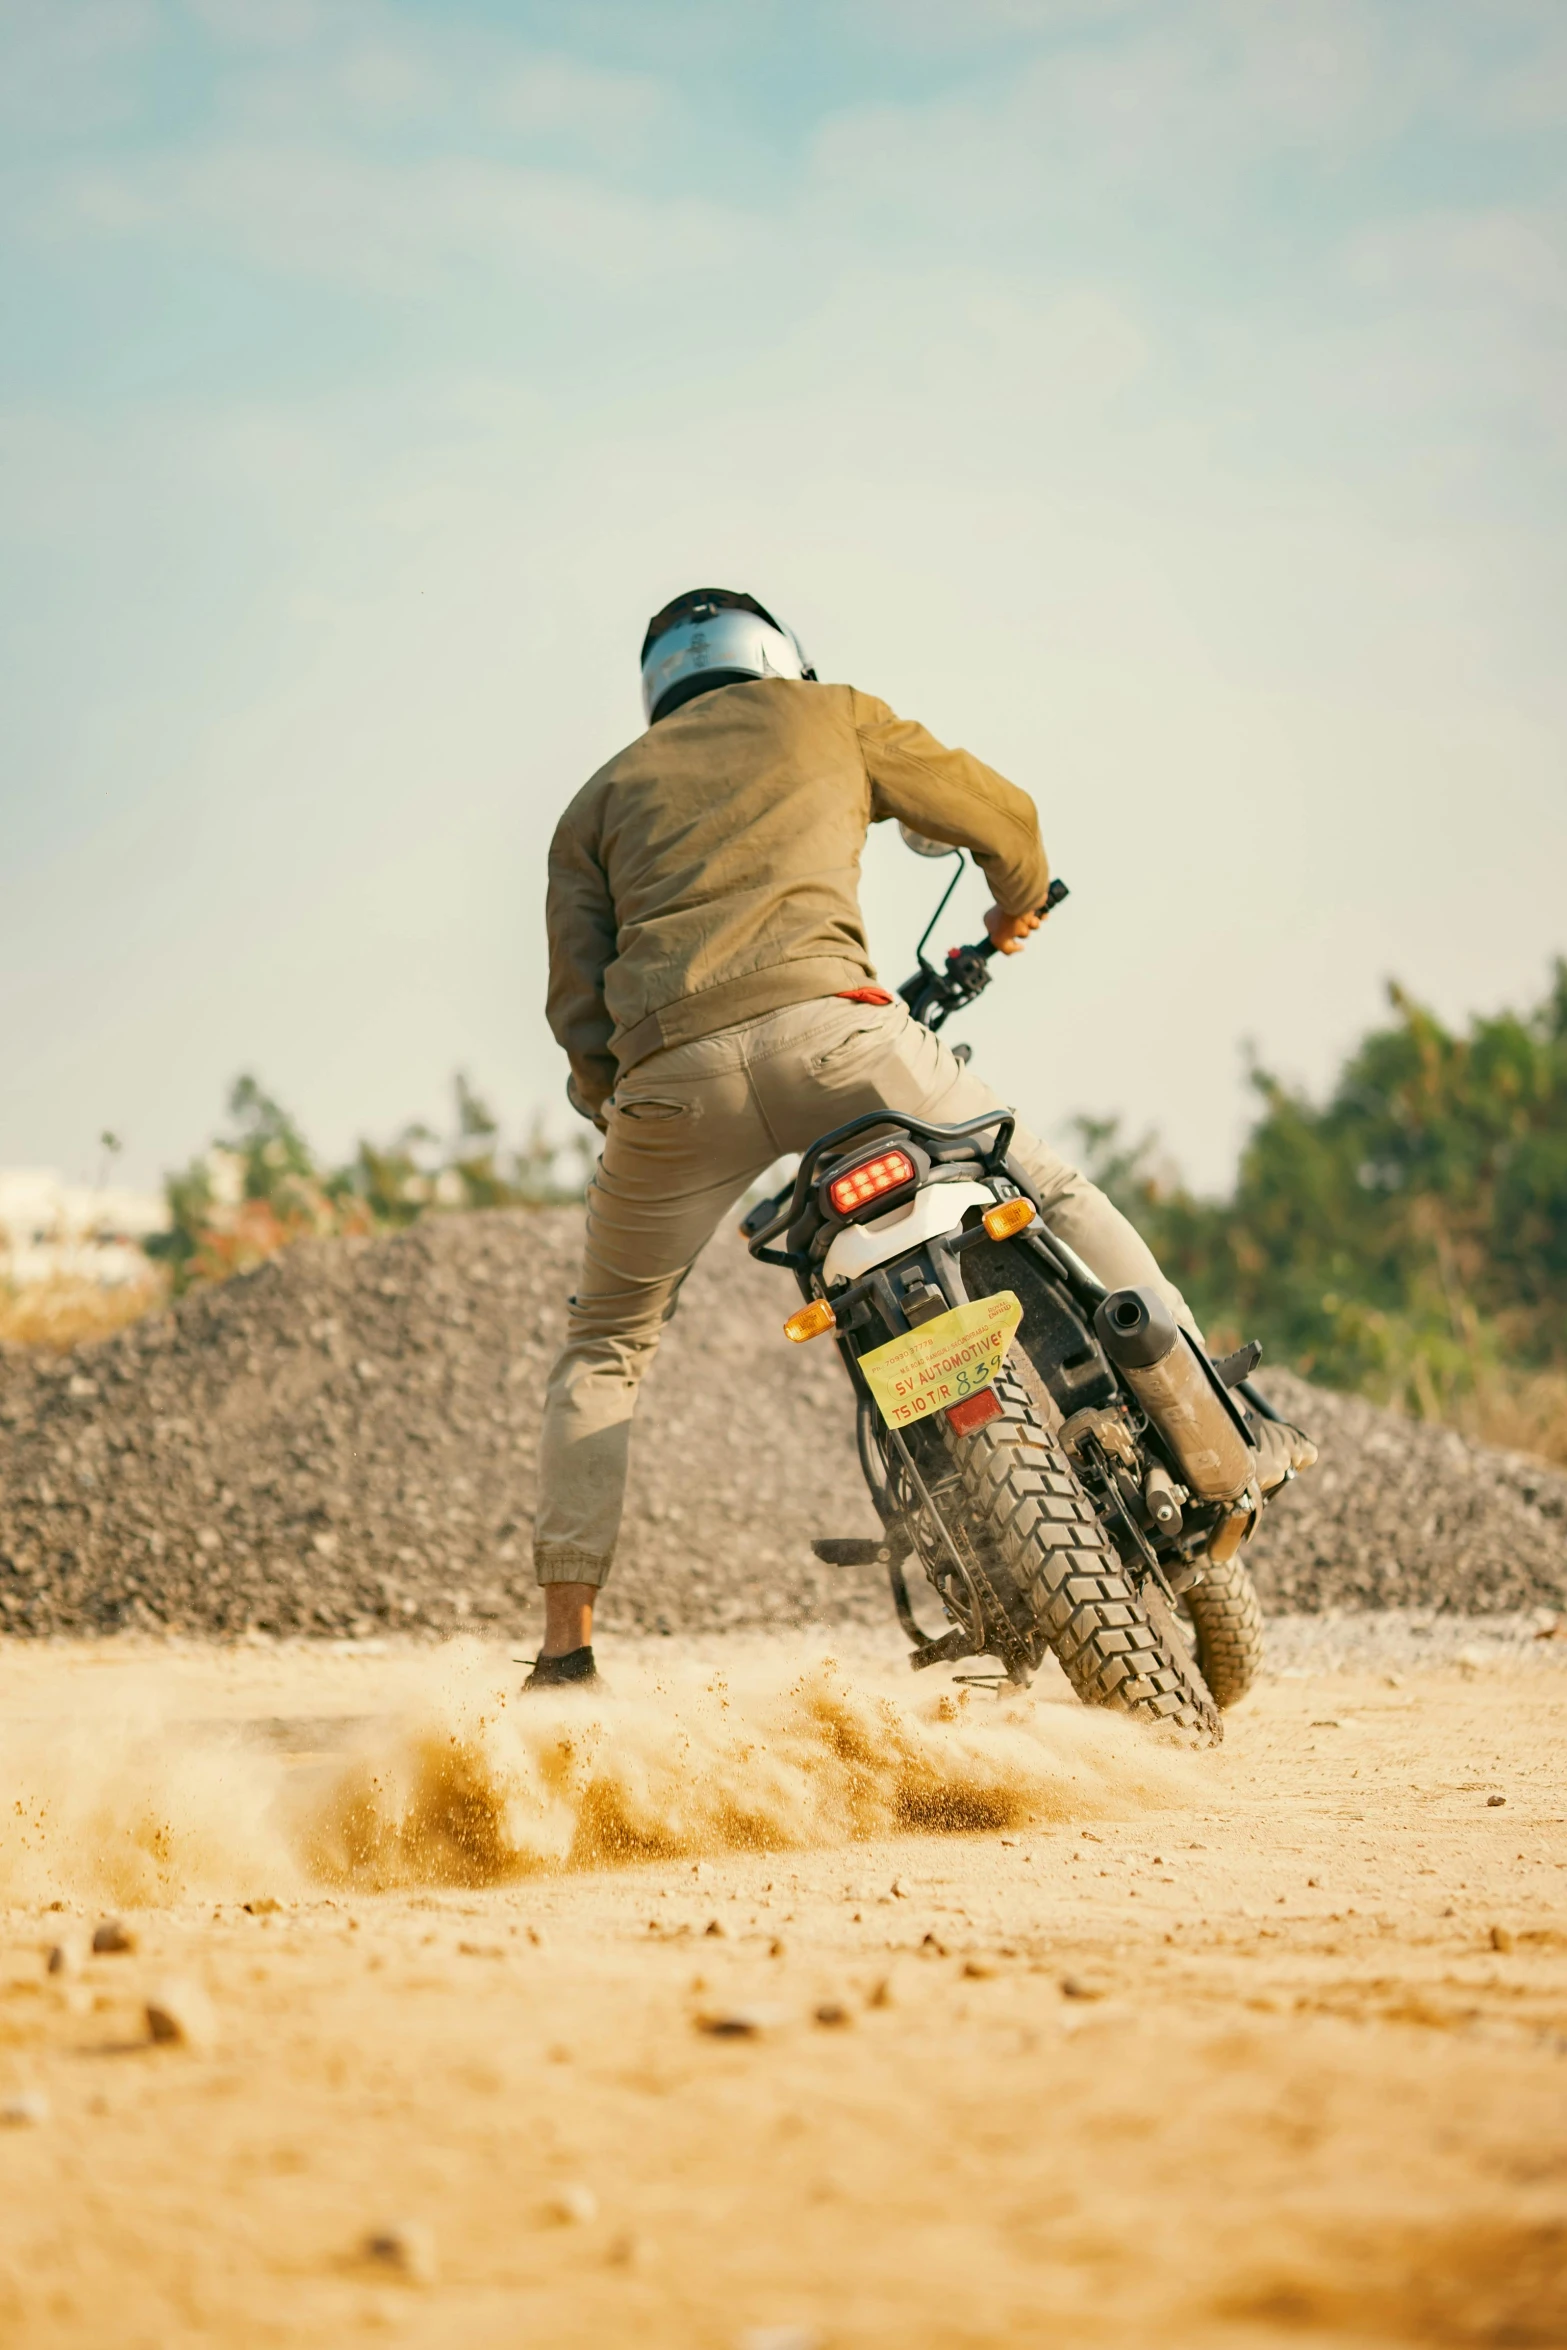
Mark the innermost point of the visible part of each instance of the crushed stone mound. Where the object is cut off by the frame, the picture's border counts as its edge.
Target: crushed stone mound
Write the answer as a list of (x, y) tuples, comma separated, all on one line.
[(346, 1442), (1402, 1513)]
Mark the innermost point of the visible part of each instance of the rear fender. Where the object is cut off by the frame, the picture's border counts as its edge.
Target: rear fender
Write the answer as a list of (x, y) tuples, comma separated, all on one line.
[(933, 1212), (1055, 1334)]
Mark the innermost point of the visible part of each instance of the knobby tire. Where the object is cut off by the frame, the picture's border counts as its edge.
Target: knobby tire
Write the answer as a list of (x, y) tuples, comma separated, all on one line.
[(1049, 1579), (1226, 1629)]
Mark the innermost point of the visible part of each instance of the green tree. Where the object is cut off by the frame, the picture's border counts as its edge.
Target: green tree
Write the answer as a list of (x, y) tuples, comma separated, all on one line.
[(261, 1186), (1408, 1235)]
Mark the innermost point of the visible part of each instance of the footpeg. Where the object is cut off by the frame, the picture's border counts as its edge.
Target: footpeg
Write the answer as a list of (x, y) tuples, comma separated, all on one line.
[(854, 1550), (945, 1651)]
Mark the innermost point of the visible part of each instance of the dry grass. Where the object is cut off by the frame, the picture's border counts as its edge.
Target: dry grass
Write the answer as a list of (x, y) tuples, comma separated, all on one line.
[(67, 1311), (1524, 1410)]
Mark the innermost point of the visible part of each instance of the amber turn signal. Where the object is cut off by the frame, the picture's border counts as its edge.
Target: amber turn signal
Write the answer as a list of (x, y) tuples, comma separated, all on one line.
[(1008, 1216), (810, 1321)]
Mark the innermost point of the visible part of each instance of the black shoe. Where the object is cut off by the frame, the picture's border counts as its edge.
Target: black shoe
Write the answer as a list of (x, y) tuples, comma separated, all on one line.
[(574, 1670)]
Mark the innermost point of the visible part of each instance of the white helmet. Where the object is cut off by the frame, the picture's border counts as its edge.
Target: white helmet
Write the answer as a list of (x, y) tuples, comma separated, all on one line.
[(710, 637)]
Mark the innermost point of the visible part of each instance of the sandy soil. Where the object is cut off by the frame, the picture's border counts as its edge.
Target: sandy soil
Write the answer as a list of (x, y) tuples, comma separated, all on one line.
[(1028, 2029)]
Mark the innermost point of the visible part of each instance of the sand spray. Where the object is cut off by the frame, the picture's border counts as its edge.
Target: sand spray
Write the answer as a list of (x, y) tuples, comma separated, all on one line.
[(132, 1795)]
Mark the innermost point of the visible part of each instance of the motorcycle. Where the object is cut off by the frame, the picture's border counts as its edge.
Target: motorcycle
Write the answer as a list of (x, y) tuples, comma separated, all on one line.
[(1068, 1469)]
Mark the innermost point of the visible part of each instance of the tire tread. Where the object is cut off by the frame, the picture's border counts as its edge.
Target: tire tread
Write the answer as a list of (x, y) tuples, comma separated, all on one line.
[(1226, 1619), (1051, 1575)]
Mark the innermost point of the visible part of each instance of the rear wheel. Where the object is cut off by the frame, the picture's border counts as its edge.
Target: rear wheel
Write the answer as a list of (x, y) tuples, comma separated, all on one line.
[(1047, 1579), (1226, 1629)]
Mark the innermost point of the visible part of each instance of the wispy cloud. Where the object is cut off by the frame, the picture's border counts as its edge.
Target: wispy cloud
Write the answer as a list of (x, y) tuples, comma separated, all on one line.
[(395, 227)]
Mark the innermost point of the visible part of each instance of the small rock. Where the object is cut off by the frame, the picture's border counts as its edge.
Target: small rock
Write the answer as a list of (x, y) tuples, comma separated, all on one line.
[(741, 2023), (1494, 1802), (25, 2111), (980, 1970), (1503, 1938), (408, 2247), (931, 1948), (881, 1994), (833, 2013), (1074, 1987), (113, 1938), (629, 2250), (775, 1948), (265, 1907), (714, 1928), (574, 2206), (64, 1958), (180, 2016)]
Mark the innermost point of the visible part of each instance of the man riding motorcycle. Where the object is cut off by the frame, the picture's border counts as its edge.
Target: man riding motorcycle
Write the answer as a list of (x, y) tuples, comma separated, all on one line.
[(712, 987)]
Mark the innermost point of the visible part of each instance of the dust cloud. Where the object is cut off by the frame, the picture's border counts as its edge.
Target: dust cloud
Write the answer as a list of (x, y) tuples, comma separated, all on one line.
[(122, 1796)]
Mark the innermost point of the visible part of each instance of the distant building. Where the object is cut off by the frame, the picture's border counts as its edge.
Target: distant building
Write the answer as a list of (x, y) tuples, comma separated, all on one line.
[(51, 1230)]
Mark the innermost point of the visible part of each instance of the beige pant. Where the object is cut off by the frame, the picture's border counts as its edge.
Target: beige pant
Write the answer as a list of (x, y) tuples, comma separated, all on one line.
[(689, 1130)]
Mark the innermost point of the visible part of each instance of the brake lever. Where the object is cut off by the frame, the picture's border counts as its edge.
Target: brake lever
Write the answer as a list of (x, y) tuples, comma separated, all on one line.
[(933, 995)]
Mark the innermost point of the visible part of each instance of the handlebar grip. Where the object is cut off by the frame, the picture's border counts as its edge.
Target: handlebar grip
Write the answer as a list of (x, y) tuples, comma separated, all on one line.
[(1053, 896)]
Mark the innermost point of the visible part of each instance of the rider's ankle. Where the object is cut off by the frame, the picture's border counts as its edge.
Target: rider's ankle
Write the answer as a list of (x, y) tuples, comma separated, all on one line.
[(568, 1618)]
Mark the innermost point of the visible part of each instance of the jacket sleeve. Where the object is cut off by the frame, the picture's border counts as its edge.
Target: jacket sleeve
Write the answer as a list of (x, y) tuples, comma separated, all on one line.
[(952, 796), (580, 919)]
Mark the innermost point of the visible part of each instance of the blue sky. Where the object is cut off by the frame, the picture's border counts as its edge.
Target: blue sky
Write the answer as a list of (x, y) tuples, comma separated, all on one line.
[(1168, 401)]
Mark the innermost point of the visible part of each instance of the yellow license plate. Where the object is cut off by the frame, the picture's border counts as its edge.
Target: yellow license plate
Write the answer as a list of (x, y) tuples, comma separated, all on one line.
[(942, 1361)]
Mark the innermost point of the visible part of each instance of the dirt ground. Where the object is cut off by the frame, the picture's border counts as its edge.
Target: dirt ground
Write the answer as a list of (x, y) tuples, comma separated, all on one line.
[(774, 2002)]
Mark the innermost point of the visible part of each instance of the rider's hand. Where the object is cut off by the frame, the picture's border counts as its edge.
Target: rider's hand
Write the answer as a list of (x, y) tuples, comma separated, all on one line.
[(1008, 931)]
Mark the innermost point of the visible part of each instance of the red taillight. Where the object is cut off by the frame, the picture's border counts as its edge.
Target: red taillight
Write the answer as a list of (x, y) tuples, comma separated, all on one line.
[(869, 1180)]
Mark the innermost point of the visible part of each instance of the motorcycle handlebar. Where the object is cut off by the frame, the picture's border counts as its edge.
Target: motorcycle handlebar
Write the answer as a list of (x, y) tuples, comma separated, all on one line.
[(1053, 896), (933, 994)]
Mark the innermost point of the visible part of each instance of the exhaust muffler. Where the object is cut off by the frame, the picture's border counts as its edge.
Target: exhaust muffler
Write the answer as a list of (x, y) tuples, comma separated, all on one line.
[(1176, 1389)]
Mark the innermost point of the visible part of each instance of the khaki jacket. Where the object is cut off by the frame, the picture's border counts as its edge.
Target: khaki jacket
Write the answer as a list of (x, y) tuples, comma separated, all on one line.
[(711, 871)]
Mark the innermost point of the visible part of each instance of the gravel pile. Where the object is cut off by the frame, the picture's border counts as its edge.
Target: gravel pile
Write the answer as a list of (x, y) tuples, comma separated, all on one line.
[(346, 1442), (1403, 1514)]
